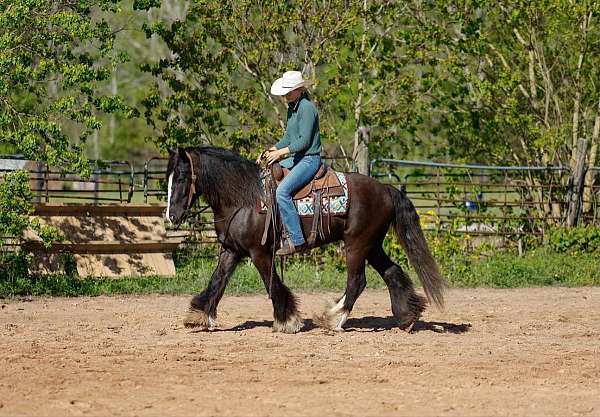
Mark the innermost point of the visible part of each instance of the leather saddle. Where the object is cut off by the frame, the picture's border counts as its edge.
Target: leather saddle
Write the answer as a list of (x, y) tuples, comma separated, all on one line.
[(325, 181), (324, 184)]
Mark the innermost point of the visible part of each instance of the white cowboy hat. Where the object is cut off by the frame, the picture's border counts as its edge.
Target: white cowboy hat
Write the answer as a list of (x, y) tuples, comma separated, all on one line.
[(288, 82)]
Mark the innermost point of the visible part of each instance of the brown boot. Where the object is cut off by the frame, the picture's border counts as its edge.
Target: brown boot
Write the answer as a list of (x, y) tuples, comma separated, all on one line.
[(288, 248)]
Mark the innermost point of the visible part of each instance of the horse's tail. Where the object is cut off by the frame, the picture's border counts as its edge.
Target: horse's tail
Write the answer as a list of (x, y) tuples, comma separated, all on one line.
[(410, 234)]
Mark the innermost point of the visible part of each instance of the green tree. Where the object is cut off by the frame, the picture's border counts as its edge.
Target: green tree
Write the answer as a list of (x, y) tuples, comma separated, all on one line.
[(214, 86), (54, 56), (523, 84), (226, 54), (475, 80)]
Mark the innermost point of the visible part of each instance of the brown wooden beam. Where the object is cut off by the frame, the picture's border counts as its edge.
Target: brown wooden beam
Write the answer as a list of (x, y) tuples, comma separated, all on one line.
[(92, 210), (103, 247)]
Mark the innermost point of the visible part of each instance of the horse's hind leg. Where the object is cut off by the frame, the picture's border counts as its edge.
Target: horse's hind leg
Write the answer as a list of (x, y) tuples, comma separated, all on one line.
[(203, 307), (286, 318), (407, 305), (335, 316)]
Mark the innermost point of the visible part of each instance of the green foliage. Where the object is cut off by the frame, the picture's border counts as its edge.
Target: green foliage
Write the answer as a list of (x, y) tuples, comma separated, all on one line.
[(54, 57), (521, 76), (16, 209), (470, 79), (333, 254), (576, 240), (225, 55), (477, 80), (13, 271), (498, 82), (15, 204), (538, 268)]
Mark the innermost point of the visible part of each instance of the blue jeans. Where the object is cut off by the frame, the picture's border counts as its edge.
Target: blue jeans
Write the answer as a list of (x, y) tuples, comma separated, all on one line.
[(302, 170)]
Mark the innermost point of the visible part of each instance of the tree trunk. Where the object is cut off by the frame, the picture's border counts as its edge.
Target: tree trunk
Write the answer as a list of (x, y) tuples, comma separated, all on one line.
[(362, 153), (577, 100), (96, 145), (112, 121), (574, 196), (359, 146), (592, 161)]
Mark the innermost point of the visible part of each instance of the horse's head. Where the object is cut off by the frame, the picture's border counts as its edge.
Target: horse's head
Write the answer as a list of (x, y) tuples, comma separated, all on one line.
[(181, 183)]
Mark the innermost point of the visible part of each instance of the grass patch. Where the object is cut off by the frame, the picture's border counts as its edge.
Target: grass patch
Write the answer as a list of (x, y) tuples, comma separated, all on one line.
[(191, 278), (504, 270), (538, 268)]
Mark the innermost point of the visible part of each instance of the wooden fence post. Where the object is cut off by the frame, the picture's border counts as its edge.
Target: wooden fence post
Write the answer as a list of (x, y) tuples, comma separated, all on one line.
[(576, 184)]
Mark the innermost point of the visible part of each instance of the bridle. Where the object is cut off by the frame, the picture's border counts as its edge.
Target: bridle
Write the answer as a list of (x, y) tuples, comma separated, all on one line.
[(192, 191)]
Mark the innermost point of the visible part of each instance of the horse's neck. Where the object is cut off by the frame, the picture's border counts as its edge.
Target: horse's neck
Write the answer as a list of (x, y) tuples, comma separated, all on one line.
[(227, 189), (221, 212)]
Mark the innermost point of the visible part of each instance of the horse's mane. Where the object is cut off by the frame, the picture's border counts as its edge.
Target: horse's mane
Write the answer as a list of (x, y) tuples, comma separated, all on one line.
[(226, 178)]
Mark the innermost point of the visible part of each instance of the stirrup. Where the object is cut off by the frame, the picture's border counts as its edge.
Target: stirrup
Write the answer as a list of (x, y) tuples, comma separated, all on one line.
[(288, 248)]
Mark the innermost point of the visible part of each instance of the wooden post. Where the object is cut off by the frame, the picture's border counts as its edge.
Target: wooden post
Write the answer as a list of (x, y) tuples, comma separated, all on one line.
[(576, 184), (362, 151), (46, 181)]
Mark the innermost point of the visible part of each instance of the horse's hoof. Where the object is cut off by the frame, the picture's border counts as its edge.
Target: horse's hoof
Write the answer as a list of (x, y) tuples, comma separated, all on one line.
[(293, 325), (407, 323), (408, 329), (334, 317), (198, 319)]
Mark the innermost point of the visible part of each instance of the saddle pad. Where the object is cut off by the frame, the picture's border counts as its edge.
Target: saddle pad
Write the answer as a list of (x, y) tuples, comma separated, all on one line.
[(337, 204)]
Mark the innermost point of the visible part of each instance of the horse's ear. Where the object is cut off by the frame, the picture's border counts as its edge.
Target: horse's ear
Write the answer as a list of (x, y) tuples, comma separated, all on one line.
[(171, 150), (181, 152)]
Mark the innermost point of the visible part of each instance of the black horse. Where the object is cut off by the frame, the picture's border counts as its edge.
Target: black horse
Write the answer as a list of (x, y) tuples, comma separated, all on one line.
[(231, 186)]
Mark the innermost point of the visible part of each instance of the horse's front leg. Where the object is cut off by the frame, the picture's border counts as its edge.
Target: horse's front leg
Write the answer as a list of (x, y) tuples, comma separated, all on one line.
[(286, 318), (203, 307)]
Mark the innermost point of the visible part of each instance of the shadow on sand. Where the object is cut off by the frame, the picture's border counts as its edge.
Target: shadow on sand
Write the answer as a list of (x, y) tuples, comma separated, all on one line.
[(387, 323), (374, 324)]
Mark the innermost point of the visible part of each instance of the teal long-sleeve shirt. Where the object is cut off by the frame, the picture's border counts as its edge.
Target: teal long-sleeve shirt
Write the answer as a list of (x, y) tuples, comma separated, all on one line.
[(302, 135)]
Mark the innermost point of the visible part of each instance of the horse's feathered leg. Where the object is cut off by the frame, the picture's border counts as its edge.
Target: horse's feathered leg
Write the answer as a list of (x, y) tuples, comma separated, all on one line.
[(286, 318), (407, 305), (203, 307), (335, 316)]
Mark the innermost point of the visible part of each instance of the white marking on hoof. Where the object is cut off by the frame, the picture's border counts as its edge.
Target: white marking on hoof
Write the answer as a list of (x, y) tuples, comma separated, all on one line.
[(334, 317), (410, 327), (199, 319), (292, 325), (343, 318)]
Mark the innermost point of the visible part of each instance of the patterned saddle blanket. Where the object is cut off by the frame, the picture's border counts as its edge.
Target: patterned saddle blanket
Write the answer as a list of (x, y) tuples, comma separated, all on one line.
[(335, 204), (334, 199)]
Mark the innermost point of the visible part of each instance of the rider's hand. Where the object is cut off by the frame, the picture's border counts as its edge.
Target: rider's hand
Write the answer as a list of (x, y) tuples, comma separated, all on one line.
[(274, 155), (264, 154)]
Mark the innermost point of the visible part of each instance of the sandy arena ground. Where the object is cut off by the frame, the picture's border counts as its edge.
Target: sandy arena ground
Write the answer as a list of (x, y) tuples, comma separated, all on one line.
[(527, 352)]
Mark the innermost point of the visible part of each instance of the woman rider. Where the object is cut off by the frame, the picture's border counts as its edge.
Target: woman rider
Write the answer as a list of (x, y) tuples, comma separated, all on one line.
[(301, 148)]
